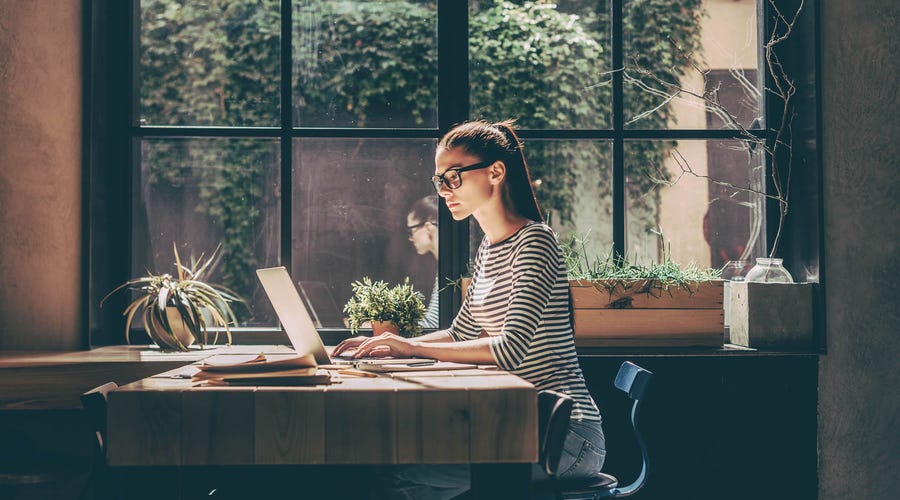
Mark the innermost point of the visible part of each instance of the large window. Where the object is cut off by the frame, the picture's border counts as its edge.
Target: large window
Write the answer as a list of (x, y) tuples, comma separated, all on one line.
[(301, 133)]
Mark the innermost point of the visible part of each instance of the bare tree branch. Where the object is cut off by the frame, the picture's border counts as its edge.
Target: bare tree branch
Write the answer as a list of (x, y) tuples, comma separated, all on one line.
[(777, 147)]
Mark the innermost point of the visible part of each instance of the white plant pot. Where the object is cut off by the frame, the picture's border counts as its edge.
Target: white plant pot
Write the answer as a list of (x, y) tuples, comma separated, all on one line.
[(163, 339)]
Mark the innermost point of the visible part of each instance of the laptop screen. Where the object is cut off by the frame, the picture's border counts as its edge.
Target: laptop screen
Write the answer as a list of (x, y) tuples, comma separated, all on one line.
[(292, 313), (297, 322)]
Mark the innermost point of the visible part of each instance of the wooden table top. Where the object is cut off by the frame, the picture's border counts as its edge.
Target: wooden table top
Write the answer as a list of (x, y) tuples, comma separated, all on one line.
[(447, 416), (54, 380)]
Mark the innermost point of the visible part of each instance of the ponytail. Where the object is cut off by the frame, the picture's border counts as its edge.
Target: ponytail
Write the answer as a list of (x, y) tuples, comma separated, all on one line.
[(520, 190)]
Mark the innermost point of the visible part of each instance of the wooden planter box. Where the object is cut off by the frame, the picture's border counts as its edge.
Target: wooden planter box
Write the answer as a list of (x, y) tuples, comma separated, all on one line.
[(635, 316)]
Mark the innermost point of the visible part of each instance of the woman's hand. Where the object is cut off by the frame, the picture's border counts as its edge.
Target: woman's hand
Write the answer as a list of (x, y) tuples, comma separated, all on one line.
[(386, 344), (348, 345)]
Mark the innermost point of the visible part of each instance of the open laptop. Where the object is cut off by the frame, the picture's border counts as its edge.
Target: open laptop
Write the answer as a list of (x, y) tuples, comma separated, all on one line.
[(299, 325)]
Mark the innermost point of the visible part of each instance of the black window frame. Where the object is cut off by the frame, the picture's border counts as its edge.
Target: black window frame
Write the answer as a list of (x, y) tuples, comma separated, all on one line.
[(113, 134)]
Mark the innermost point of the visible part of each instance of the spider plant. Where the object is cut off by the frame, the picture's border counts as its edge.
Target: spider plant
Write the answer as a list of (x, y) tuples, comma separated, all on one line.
[(164, 300)]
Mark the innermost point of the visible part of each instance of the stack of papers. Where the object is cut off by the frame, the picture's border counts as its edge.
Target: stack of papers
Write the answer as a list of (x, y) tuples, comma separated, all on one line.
[(260, 369)]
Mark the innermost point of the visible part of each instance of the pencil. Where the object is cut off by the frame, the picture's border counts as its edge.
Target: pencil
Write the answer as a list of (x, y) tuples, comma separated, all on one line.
[(356, 373)]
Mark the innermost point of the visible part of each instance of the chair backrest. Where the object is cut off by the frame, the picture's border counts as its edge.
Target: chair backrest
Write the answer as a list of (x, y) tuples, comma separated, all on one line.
[(94, 403), (633, 380), (554, 412)]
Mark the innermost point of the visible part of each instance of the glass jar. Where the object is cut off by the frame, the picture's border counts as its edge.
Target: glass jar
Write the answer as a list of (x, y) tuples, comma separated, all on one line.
[(768, 271), (735, 270)]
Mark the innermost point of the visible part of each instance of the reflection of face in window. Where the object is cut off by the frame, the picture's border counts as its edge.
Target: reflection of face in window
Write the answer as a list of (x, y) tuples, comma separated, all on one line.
[(422, 234)]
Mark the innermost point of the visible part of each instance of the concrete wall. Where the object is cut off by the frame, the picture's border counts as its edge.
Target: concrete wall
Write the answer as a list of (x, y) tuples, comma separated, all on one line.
[(40, 174), (858, 403)]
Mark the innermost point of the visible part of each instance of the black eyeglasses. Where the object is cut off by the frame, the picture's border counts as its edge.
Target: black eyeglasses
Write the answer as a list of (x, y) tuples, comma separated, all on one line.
[(451, 176), (411, 229)]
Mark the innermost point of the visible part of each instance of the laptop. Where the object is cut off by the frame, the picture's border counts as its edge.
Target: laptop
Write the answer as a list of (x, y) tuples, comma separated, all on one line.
[(298, 324)]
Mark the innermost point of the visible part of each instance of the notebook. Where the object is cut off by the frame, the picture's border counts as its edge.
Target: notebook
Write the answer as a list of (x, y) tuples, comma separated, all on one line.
[(298, 324)]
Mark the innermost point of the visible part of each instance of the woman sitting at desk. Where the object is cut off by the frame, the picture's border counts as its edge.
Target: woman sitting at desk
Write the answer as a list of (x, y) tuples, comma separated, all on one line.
[(517, 312)]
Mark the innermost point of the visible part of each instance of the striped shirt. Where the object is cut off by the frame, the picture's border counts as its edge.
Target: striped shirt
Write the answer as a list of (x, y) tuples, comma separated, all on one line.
[(519, 295)]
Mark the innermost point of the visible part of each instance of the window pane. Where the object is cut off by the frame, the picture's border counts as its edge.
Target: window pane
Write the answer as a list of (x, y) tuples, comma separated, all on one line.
[(701, 195), (365, 63), (202, 193), (541, 63), (674, 58), (210, 63), (573, 180), (351, 201)]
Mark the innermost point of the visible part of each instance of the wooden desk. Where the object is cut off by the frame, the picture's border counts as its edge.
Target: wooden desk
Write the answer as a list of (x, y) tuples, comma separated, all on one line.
[(465, 416)]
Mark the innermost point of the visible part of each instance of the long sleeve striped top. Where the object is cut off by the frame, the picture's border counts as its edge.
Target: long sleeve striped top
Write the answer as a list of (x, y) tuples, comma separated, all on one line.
[(519, 296)]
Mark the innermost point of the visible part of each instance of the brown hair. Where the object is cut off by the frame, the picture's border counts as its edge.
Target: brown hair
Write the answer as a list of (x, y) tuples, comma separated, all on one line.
[(498, 141)]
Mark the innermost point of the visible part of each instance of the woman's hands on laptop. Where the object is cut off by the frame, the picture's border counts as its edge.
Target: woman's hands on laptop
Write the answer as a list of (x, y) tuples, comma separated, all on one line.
[(386, 344)]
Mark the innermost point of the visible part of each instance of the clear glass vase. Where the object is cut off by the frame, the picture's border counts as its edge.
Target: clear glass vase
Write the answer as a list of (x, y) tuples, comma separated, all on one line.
[(735, 270), (769, 271)]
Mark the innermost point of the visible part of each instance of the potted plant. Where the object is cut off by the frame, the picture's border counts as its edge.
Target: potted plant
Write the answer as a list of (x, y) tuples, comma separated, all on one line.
[(621, 303), (179, 310), (399, 309)]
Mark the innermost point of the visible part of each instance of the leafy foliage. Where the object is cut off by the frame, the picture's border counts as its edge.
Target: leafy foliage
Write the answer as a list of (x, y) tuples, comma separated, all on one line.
[(374, 64), (377, 301), (366, 64)]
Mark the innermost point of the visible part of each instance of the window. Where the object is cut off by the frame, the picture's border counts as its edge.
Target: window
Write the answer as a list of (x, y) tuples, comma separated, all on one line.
[(300, 133)]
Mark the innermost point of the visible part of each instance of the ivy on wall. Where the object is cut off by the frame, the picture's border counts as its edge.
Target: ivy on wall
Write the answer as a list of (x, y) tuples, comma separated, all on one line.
[(217, 63)]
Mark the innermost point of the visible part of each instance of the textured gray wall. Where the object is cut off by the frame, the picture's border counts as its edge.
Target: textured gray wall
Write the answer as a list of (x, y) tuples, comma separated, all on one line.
[(40, 174), (859, 422)]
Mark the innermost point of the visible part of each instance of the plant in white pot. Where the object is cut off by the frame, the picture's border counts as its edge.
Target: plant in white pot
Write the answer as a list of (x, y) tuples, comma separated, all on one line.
[(177, 311), (399, 309)]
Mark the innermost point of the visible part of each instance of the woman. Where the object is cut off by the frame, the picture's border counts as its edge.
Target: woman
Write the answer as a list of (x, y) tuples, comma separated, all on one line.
[(517, 311), (422, 227)]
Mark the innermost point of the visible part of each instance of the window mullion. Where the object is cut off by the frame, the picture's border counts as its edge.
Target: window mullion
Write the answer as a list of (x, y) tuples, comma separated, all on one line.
[(619, 208), (286, 139), (453, 108)]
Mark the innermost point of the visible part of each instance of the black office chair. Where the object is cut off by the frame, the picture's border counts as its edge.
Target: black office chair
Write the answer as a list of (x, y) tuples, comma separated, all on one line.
[(554, 412), (94, 404)]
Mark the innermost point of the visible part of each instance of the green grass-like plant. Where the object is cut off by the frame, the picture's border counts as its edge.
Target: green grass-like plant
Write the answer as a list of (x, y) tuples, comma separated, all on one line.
[(614, 271), (378, 301)]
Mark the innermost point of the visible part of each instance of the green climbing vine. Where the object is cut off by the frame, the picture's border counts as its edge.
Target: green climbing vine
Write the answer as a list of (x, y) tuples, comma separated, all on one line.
[(374, 64)]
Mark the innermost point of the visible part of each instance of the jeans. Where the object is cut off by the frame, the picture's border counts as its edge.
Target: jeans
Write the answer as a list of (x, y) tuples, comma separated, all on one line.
[(583, 454)]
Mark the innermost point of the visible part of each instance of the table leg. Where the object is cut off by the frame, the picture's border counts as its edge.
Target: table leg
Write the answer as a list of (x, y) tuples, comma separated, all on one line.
[(500, 481)]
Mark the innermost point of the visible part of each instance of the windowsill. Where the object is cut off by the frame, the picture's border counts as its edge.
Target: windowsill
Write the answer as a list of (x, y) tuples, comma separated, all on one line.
[(725, 350)]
